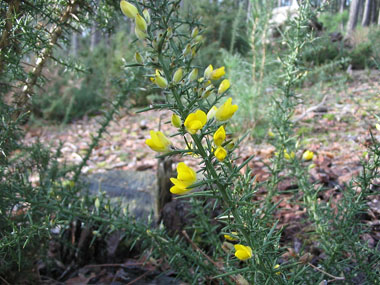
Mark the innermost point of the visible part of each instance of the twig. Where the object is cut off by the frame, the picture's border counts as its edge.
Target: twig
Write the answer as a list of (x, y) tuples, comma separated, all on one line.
[(138, 278), (311, 109), (5, 281), (113, 265), (324, 272), (199, 250)]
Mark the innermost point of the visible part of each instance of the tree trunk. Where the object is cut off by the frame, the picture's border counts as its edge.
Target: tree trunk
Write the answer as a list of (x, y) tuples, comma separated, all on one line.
[(74, 44), (367, 13), (95, 33), (342, 6), (353, 19), (373, 13)]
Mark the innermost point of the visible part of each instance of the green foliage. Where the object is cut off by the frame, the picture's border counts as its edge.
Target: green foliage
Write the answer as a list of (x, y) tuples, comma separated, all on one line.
[(251, 96), (361, 55), (332, 22)]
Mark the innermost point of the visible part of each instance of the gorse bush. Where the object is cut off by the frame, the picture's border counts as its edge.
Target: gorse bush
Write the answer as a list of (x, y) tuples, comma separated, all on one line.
[(233, 235), (248, 249)]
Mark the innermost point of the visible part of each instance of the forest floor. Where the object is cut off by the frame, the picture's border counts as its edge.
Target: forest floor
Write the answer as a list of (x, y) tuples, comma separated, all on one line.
[(333, 122), (337, 129)]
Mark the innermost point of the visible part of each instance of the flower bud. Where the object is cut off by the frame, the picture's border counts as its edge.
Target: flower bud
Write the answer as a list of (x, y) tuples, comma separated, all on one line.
[(195, 32), (146, 16), (140, 23), (211, 113), (169, 32), (160, 80), (140, 34), (176, 121), (223, 87), (220, 153), (193, 74), (178, 75), (128, 9), (208, 71), (187, 50), (139, 58)]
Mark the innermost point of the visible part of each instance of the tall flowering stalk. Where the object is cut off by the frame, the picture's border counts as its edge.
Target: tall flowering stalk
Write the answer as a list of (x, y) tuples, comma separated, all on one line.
[(201, 108)]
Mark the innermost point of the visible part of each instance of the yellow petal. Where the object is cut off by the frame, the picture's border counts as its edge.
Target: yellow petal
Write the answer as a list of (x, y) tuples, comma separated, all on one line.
[(220, 153), (218, 73), (308, 155), (226, 111), (243, 252), (179, 191)]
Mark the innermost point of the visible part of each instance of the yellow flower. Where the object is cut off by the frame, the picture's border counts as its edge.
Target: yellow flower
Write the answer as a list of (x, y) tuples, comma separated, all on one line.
[(220, 153), (288, 156), (160, 80), (140, 34), (176, 121), (139, 58), (231, 238), (193, 74), (186, 176), (308, 155), (271, 134), (128, 9), (217, 73), (195, 121), (178, 75), (223, 87), (276, 267), (243, 252), (146, 16), (219, 136), (158, 142), (140, 23), (208, 71), (226, 111)]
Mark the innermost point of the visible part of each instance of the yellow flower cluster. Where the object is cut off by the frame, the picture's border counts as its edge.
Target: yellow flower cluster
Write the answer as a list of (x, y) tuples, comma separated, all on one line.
[(141, 22)]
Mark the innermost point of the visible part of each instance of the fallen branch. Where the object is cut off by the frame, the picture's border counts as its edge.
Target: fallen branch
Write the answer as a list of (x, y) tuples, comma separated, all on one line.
[(324, 272), (311, 109)]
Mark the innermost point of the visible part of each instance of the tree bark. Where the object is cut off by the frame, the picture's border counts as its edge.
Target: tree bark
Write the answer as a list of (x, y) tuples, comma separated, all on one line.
[(353, 18), (367, 13), (374, 11), (55, 33), (342, 6), (74, 44), (13, 8)]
